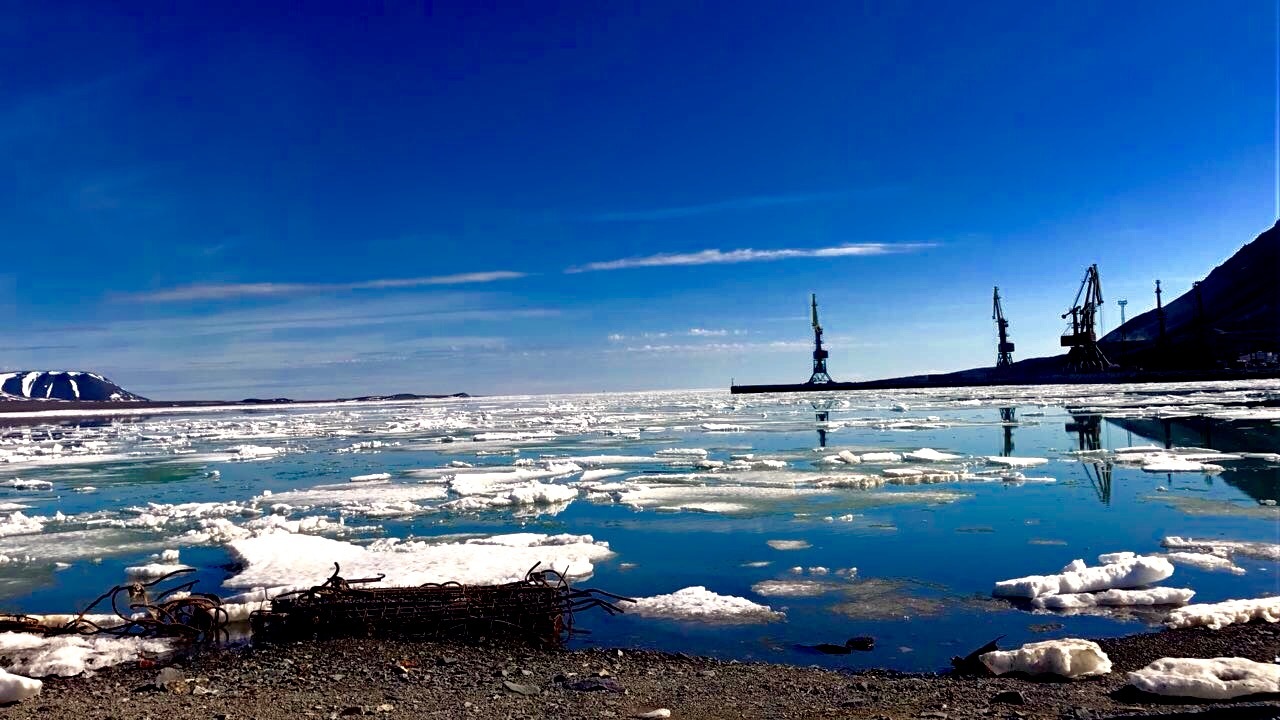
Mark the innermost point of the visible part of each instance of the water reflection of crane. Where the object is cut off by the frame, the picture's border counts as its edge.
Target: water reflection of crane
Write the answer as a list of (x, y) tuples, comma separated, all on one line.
[(822, 413), (1008, 419), (1088, 430)]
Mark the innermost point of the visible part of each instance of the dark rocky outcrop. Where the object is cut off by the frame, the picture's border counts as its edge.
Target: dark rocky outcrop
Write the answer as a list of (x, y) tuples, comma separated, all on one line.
[(1233, 313), (61, 385)]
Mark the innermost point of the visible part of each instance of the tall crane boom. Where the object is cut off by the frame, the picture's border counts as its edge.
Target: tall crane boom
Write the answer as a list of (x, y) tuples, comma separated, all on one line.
[(1004, 348), (819, 376), (1084, 355)]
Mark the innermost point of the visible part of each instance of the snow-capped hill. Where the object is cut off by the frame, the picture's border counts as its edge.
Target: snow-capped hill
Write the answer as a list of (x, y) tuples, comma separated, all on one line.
[(61, 385)]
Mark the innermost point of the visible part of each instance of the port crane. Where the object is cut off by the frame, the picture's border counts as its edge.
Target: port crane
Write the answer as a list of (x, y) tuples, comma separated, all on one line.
[(1004, 349), (819, 376), (1084, 355)]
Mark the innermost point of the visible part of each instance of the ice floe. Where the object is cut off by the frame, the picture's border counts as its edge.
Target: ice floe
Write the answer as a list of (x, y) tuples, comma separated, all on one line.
[(1260, 550), (1069, 658), (1130, 573), (1205, 561), (1230, 612), (1115, 598), (789, 544), (1215, 679), (930, 455), (701, 604), (1015, 462)]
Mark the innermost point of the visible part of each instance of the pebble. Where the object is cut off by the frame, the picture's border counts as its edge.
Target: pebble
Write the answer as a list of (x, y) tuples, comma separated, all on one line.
[(1009, 697), (521, 689)]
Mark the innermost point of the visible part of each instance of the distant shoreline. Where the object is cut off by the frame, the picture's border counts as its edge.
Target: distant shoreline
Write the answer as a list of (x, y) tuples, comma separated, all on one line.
[(40, 409)]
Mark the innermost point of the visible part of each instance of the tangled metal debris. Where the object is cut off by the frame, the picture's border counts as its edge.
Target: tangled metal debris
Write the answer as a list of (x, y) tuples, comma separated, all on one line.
[(539, 608), (177, 612)]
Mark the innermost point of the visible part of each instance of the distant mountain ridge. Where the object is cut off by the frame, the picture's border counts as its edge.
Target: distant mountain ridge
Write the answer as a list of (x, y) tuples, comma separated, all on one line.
[(1233, 312), (61, 385)]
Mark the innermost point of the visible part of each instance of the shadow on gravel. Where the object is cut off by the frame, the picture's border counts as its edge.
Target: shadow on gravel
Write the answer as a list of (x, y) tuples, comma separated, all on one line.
[(1130, 695)]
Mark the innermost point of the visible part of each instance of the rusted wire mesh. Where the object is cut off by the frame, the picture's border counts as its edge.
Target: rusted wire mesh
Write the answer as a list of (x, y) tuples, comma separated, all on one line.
[(142, 611), (538, 609)]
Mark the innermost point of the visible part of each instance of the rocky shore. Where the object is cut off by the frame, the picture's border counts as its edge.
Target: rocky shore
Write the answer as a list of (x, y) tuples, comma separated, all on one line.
[(397, 679)]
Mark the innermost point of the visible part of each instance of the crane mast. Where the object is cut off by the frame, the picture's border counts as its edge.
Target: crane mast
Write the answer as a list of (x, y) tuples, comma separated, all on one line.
[(1004, 348), (819, 376), (1084, 355)]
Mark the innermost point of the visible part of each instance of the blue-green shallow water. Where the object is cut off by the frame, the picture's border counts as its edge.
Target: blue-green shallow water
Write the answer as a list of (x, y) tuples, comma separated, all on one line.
[(924, 569)]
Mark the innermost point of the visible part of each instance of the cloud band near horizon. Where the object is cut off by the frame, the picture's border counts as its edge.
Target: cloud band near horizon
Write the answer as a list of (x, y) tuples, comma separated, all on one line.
[(720, 257), (228, 291)]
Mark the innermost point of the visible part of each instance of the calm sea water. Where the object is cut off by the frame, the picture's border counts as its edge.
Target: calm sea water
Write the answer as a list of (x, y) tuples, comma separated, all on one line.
[(926, 555)]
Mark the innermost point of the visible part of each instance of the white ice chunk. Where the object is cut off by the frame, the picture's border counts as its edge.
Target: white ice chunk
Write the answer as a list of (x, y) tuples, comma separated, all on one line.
[(1135, 572), (1015, 462), (1115, 598), (593, 475), (681, 452), (254, 452), (16, 688), (1260, 550), (1205, 561), (1069, 658), (849, 457), (1113, 558), (699, 603), (880, 457), (372, 477), (1230, 612), (1216, 679), (788, 544), (67, 655), (151, 571), (930, 455)]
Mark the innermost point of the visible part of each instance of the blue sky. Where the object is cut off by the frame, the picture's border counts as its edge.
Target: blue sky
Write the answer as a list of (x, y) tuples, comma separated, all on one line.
[(224, 200)]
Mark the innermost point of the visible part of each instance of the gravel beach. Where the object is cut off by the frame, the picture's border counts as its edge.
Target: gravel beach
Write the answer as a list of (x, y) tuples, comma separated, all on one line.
[(398, 679)]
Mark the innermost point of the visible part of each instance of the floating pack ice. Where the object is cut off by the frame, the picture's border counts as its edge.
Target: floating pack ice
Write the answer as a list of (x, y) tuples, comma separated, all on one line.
[(1115, 598), (1216, 679), (1069, 658), (1131, 573), (699, 603)]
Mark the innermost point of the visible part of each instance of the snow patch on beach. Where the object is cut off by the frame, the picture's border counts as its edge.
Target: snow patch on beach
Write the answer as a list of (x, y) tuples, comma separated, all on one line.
[(1230, 612), (1215, 679), (1069, 658), (68, 655)]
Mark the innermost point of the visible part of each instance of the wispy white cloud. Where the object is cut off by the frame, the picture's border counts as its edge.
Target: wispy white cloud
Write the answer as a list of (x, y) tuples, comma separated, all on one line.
[(691, 332), (228, 291), (716, 347), (719, 257), (684, 211)]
